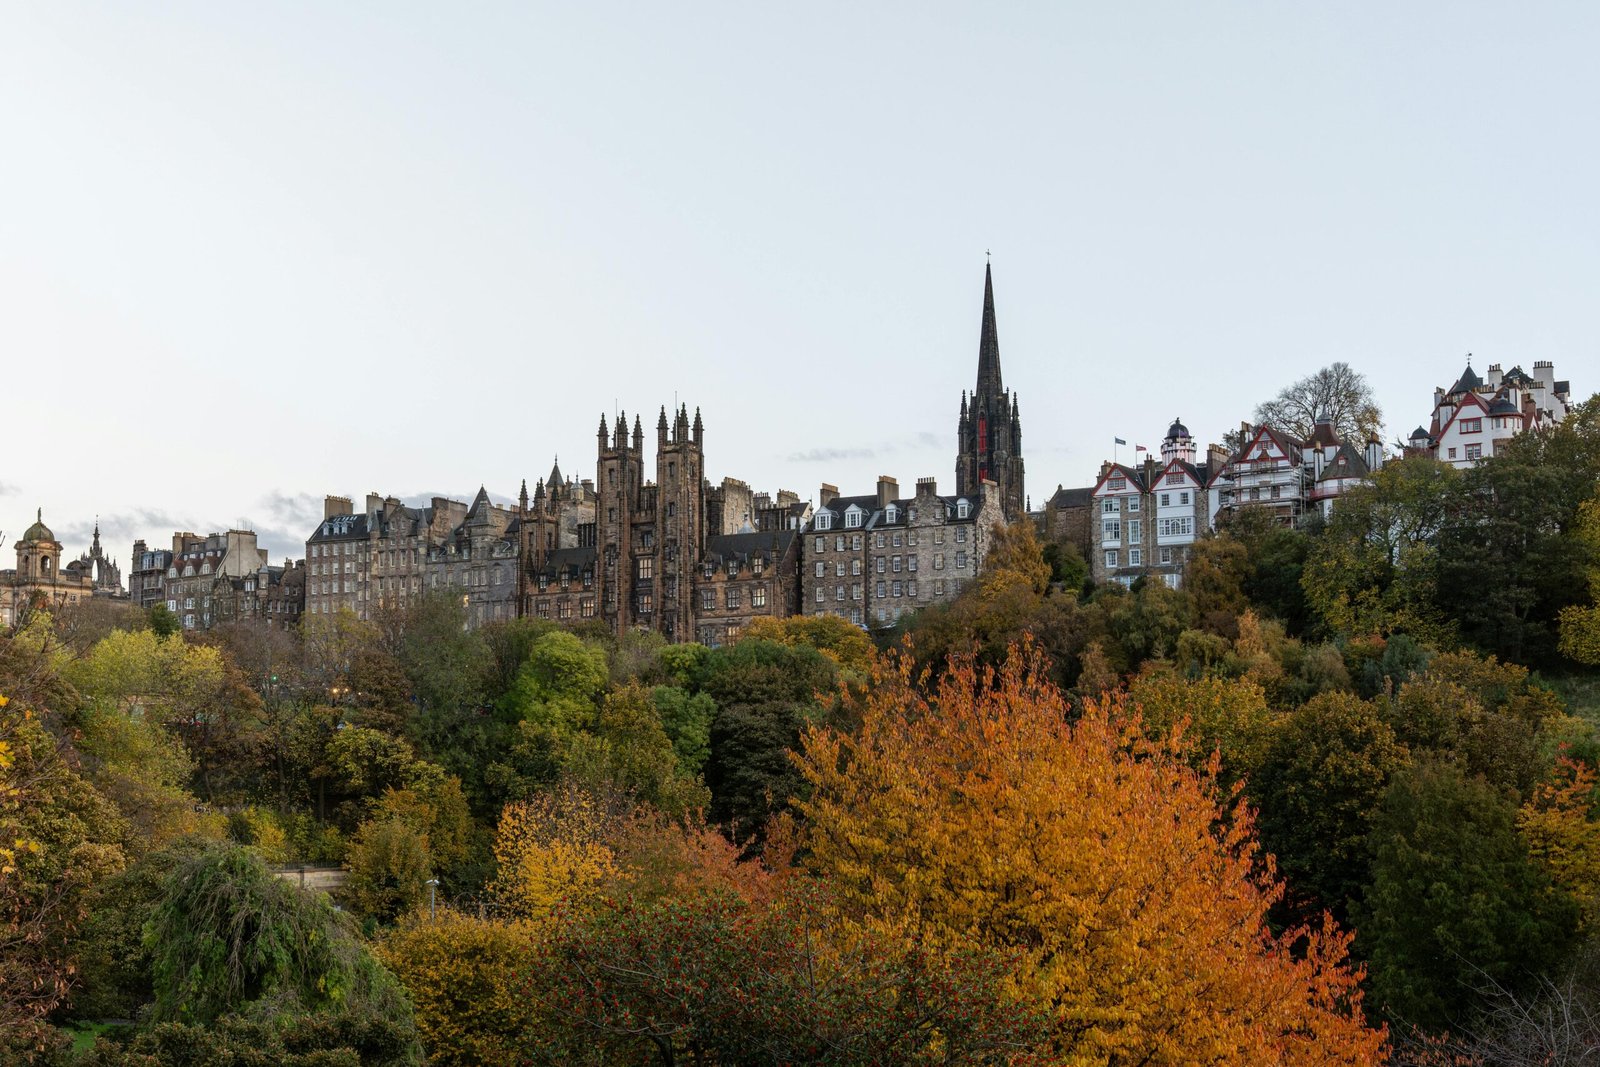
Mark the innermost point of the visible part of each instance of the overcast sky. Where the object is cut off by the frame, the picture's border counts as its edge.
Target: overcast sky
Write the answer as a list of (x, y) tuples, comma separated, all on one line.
[(255, 253)]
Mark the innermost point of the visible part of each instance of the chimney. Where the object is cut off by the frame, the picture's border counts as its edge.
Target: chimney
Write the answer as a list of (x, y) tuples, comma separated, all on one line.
[(888, 489), (335, 505), (374, 503), (927, 487), (828, 495), (1217, 457)]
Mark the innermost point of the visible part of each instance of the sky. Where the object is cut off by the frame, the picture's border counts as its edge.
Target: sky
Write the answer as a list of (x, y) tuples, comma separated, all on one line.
[(252, 254)]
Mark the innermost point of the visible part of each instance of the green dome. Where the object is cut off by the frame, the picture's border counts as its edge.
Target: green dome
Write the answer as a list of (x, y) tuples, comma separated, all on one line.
[(39, 531)]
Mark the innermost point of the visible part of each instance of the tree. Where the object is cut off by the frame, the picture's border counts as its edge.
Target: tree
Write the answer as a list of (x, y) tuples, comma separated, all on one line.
[(1317, 790), (1512, 556), (1337, 392), (549, 850), (1580, 624), (1228, 716), (468, 979), (1455, 900), (1374, 569), (1558, 823), (979, 807), (712, 979), (1213, 576), (228, 938)]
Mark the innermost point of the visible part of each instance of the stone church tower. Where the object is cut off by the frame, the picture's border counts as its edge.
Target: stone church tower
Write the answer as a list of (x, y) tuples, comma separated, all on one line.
[(990, 433)]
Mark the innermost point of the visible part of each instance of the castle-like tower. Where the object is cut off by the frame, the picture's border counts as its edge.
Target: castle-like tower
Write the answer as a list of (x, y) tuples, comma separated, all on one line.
[(990, 432)]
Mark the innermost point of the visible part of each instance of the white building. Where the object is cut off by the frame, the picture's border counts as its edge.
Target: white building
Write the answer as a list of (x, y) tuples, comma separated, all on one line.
[(1476, 416)]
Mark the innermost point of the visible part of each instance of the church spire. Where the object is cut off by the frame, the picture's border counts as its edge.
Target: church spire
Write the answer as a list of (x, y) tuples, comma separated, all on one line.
[(989, 383)]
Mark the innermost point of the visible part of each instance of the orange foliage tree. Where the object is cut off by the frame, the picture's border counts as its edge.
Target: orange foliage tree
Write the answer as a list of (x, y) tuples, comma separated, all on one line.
[(979, 807)]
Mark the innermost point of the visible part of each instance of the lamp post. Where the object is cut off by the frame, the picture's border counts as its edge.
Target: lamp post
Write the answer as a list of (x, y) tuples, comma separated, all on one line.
[(432, 884)]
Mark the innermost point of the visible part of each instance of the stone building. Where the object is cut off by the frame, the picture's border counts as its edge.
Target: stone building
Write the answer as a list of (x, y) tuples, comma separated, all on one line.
[(273, 597), (1068, 517), (1148, 516), (477, 561), (338, 561), (147, 575), (989, 432), (672, 554), (198, 584), (39, 581), (871, 559)]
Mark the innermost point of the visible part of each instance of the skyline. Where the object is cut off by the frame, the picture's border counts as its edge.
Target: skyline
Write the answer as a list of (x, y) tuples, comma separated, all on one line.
[(254, 258)]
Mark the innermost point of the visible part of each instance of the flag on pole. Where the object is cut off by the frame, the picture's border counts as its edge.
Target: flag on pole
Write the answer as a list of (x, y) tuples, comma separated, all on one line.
[(1140, 448), (1119, 441)]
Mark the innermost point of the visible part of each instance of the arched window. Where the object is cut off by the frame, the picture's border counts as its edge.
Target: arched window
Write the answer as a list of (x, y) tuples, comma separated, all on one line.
[(44, 565)]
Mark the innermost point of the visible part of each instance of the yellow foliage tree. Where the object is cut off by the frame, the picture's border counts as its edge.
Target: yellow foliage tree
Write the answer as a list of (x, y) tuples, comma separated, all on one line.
[(549, 850), (1580, 625), (978, 808), (467, 978), (832, 635), (1563, 837)]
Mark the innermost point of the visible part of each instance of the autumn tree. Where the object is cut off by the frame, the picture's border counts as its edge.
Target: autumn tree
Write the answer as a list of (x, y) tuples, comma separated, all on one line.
[(467, 978), (1228, 716), (1580, 624), (1338, 393), (980, 807), (1563, 835), (549, 850)]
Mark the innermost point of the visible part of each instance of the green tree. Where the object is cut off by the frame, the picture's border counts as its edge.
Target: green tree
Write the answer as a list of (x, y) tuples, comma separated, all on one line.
[(1580, 623), (229, 938), (1374, 568), (1454, 899), (1317, 790)]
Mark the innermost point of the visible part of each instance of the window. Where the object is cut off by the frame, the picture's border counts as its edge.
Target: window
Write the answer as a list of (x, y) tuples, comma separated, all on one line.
[(838, 569), (880, 541), (1111, 530), (881, 563), (1471, 426), (1133, 503), (896, 540), (855, 567), (896, 589), (1474, 451), (1110, 505), (734, 599), (961, 535), (1111, 557), (758, 596), (838, 593), (938, 587), (672, 509), (852, 518), (1452, 453), (1166, 555), (962, 508), (822, 544), (1119, 482), (821, 594), (961, 561), (824, 522), (855, 543), (1166, 500), (1133, 530), (938, 561), (855, 591), (645, 605), (1183, 498), (647, 568), (896, 566), (708, 600), (1135, 557), (911, 563), (1174, 479), (757, 564), (564, 609), (891, 513), (822, 569), (1277, 491), (911, 590), (838, 543)]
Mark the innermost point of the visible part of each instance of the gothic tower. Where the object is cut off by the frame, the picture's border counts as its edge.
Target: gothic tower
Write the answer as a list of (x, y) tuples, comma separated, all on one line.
[(990, 431), (621, 481), (680, 518)]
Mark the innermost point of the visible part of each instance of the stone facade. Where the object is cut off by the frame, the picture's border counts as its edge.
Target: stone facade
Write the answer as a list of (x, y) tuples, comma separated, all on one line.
[(478, 562), (199, 585), (339, 561), (871, 559), (40, 582)]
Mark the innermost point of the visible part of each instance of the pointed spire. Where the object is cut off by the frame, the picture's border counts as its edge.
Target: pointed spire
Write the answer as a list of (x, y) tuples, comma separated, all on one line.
[(555, 478), (989, 382), (522, 497), (602, 430), (963, 405)]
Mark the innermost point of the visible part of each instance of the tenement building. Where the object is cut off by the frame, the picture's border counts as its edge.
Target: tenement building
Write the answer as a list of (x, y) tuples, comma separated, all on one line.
[(990, 428), (201, 571), (874, 558)]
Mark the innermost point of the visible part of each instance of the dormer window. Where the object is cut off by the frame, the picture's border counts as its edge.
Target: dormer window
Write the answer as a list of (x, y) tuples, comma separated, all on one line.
[(852, 518), (1119, 482), (890, 513), (962, 509), (824, 520), (757, 563)]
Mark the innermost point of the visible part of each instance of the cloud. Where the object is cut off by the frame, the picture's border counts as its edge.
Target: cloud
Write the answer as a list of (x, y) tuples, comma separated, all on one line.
[(293, 509), (6, 489), (832, 455)]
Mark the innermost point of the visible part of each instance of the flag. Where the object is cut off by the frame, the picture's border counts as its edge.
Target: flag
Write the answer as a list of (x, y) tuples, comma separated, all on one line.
[(1140, 448), (1119, 440)]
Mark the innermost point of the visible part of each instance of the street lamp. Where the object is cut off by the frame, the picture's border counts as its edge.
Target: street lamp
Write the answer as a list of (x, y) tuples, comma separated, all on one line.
[(433, 885)]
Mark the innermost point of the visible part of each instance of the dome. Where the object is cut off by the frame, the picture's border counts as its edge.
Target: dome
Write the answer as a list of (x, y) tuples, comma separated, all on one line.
[(1177, 429), (38, 531)]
